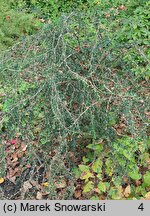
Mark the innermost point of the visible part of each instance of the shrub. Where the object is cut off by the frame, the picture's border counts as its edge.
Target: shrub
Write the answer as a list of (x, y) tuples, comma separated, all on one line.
[(71, 82)]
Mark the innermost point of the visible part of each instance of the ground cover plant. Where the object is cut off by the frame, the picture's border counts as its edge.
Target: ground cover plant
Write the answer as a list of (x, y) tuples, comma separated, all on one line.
[(75, 109), (15, 23)]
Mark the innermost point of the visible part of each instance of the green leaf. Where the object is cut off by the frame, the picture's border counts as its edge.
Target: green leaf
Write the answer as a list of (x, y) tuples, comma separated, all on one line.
[(112, 118), (77, 172), (140, 190), (147, 179), (102, 187), (94, 198), (117, 180), (90, 156), (84, 168), (88, 187), (99, 176), (41, 115), (85, 160), (135, 175), (7, 105), (114, 194), (109, 167), (96, 147), (1, 106), (97, 166), (87, 176)]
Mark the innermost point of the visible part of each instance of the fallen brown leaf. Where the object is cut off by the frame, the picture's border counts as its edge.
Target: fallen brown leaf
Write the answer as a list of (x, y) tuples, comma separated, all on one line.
[(39, 195), (107, 15), (7, 17), (77, 194), (127, 191), (147, 196), (13, 179), (42, 20), (97, 190), (24, 147), (137, 182), (122, 7)]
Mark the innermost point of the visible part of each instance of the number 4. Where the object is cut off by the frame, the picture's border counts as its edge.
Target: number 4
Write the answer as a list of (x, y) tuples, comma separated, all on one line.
[(141, 207)]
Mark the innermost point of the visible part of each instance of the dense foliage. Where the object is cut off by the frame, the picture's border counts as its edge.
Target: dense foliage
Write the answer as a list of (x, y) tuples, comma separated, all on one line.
[(15, 24), (81, 84)]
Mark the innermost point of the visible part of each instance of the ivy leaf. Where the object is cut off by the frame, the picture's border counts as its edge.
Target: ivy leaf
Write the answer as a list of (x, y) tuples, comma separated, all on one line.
[(97, 166), (85, 160), (102, 187), (96, 147), (84, 168), (87, 176), (99, 176), (88, 187), (109, 167)]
